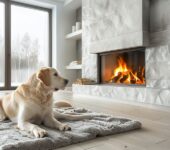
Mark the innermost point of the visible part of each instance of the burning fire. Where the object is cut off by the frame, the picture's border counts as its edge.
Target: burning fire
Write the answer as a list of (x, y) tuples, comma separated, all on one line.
[(125, 74)]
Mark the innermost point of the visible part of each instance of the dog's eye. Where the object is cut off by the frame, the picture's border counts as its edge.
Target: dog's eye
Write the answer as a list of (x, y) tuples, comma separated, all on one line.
[(55, 74)]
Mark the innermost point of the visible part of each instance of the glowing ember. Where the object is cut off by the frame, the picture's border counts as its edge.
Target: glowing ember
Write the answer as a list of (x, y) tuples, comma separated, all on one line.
[(124, 74)]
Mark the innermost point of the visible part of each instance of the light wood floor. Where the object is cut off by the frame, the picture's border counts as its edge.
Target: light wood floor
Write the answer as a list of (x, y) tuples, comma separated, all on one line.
[(155, 134)]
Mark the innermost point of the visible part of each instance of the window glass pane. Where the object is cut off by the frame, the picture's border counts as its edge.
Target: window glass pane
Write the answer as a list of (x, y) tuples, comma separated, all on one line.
[(29, 42), (2, 44)]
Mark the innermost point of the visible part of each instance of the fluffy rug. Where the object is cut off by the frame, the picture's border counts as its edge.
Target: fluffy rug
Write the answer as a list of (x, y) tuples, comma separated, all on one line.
[(13, 139)]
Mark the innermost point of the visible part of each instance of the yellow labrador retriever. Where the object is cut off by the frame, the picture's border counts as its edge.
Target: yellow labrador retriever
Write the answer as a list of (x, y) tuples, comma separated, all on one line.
[(31, 103)]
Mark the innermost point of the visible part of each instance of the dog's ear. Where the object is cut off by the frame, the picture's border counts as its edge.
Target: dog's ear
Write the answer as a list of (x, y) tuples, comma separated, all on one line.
[(44, 76)]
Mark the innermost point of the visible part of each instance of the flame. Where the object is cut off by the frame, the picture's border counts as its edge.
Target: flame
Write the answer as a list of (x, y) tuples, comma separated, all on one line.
[(124, 74), (122, 67)]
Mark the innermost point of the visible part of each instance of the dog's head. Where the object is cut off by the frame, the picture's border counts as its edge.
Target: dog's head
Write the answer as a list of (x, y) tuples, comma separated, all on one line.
[(51, 78)]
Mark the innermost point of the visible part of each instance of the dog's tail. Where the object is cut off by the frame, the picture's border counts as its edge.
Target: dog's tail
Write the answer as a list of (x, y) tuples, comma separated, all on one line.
[(62, 104), (2, 113)]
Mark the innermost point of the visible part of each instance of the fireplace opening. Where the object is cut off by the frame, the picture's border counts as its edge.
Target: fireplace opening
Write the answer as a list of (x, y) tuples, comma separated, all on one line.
[(126, 67)]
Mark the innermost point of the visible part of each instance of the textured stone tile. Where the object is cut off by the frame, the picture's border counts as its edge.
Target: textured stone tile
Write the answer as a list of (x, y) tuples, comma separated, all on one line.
[(131, 94), (104, 8), (152, 96), (165, 97), (158, 70), (158, 67), (120, 42), (109, 27), (158, 54), (158, 83), (89, 69)]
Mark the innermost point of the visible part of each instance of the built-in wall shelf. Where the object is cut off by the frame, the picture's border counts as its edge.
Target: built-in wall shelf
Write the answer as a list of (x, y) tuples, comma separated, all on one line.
[(74, 67), (75, 35), (74, 9), (72, 4)]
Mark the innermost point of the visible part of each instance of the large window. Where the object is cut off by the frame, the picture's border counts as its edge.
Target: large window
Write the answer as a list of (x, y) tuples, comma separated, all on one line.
[(2, 45), (30, 41), (29, 37)]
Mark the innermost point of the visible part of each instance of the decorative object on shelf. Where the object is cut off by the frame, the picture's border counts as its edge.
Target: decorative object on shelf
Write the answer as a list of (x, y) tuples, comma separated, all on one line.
[(74, 65), (84, 81), (73, 28), (78, 67), (76, 62), (78, 26)]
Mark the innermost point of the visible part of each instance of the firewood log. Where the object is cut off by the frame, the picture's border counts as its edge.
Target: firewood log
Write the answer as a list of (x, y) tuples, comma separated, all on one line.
[(122, 80), (140, 76), (132, 81), (117, 78)]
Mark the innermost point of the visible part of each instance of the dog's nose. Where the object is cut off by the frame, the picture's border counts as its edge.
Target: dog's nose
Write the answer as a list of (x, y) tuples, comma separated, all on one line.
[(66, 81)]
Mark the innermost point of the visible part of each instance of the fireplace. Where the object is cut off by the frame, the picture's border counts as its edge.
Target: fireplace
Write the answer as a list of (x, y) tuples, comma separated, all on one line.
[(125, 67), (112, 28)]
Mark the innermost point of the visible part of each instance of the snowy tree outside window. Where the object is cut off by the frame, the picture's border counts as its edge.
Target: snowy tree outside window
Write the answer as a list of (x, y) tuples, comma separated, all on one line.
[(29, 42)]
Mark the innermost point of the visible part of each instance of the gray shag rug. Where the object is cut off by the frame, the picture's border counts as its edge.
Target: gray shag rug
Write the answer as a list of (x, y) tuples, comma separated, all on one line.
[(13, 139)]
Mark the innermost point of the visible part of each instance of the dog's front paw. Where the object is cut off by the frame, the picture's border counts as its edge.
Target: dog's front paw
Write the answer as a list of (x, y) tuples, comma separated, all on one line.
[(39, 132), (64, 127), (2, 116)]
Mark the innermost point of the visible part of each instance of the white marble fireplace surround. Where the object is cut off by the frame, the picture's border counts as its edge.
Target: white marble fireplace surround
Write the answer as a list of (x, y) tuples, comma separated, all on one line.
[(157, 57)]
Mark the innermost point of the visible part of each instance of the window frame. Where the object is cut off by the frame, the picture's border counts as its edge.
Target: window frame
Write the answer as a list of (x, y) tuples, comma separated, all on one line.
[(8, 4), (3, 1)]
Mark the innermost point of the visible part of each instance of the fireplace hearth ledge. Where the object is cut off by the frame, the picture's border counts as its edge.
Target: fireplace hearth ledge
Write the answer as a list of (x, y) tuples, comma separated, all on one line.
[(125, 93)]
